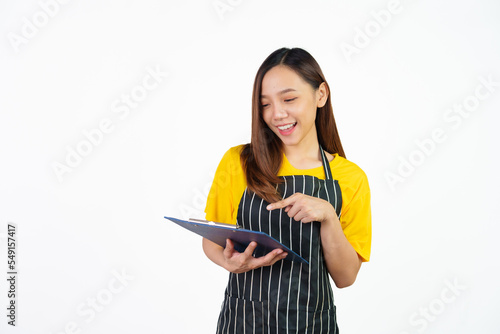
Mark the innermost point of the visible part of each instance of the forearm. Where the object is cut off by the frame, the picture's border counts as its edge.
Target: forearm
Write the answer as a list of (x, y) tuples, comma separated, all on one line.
[(214, 252), (342, 261)]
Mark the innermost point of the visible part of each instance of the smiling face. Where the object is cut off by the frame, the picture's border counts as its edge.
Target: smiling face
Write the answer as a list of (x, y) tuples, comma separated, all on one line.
[(289, 106)]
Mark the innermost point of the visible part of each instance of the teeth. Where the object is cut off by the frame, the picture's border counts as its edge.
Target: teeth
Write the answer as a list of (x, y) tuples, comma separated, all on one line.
[(286, 127)]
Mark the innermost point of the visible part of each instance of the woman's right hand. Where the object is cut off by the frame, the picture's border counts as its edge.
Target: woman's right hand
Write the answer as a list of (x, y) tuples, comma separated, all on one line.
[(238, 263)]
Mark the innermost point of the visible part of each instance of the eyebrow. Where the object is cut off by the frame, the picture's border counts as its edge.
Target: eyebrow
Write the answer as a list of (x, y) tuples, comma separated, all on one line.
[(284, 91)]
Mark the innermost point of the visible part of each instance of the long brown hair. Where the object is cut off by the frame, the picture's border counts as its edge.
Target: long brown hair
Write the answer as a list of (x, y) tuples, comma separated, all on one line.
[(262, 157)]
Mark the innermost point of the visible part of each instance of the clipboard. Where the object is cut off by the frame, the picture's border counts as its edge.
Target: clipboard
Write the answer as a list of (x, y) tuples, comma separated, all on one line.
[(219, 232)]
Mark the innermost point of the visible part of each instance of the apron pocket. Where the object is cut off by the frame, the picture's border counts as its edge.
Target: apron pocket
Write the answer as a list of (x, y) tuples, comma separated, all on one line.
[(305, 321), (323, 321), (237, 313)]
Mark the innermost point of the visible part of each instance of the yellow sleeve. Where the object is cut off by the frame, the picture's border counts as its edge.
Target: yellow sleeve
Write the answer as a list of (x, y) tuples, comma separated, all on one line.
[(355, 218), (227, 188)]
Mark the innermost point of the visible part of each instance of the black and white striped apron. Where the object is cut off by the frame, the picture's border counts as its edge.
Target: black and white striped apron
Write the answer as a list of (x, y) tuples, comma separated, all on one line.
[(287, 297)]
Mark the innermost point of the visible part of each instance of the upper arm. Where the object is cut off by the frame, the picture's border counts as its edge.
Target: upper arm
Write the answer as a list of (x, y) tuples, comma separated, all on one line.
[(356, 217)]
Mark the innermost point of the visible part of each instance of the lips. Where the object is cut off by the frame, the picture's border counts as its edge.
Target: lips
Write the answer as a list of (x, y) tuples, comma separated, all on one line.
[(286, 129)]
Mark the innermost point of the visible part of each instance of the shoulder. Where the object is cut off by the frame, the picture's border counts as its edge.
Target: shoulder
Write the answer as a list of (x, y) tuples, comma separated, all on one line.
[(232, 155), (235, 151), (227, 188), (230, 164), (348, 173)]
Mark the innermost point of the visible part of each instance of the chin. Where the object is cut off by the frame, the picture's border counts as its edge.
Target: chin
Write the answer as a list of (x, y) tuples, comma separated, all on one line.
[(289, 142)]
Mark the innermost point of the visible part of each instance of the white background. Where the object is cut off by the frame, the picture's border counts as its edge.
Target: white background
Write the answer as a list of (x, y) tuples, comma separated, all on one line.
[(437, 226)]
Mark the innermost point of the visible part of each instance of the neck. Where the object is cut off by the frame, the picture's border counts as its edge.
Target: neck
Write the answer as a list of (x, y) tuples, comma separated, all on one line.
[(306, 150)]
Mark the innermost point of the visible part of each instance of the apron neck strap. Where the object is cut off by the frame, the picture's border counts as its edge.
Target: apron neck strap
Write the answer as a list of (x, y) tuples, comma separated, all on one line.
[(326, 164)]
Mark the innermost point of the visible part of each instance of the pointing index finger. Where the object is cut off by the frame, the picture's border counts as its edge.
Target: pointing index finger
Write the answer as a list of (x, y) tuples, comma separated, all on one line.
[(280, 204)]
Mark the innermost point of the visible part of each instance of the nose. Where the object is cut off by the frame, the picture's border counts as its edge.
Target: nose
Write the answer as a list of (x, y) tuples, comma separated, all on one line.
[(279, 111)]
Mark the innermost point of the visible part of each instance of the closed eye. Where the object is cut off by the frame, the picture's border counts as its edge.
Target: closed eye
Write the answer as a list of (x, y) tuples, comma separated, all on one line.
[(290, 100)]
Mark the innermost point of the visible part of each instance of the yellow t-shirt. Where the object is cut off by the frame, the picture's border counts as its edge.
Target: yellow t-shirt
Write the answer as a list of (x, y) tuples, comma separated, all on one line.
[(230, 183)]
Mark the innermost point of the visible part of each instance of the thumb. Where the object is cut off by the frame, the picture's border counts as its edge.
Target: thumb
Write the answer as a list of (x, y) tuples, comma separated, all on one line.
[(229, 246)]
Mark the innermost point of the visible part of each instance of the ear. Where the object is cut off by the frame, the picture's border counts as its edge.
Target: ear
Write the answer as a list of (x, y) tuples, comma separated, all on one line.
[(322, 94)]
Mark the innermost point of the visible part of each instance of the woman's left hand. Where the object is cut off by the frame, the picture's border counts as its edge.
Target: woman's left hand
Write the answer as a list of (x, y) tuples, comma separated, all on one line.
[(305, 208)]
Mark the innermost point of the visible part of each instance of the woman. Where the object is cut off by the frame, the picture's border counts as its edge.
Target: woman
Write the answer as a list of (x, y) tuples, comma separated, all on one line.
[(293, 182)]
